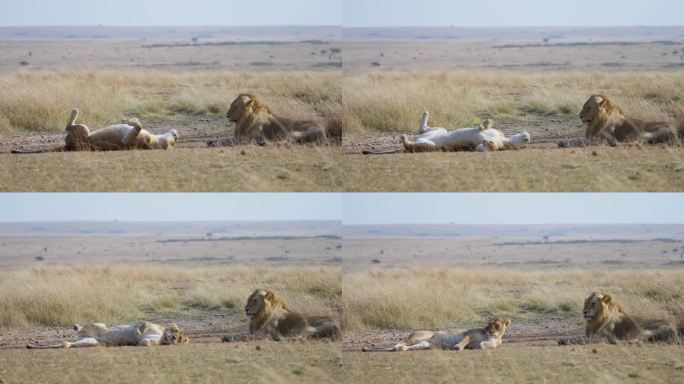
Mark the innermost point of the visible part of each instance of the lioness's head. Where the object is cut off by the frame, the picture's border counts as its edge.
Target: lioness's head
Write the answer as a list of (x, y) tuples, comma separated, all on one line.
[(173, 335), (168, 140), (597, 106), (262, 300), (245, 105), (598, 304), (497, 326)]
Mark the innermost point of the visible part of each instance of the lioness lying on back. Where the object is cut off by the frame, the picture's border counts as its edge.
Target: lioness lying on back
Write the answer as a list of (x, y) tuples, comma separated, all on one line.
[(141, 333), (488, 337), (270, 316), (112, 138), (482, 138)]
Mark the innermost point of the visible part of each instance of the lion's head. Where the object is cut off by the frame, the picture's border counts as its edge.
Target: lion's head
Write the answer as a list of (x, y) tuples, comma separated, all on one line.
[(260, 305), (173, 335), (497, 326), (597, 107), (598, 308), (246, 104)]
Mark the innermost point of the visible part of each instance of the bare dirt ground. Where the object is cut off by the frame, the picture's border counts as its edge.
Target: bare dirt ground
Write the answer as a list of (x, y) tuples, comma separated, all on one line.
[(192, 166), (544, 132)]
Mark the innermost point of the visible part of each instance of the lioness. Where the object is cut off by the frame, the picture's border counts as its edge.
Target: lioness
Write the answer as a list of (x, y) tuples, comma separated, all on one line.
[(270, 316), (255, 123), (488, 337), (605, 318), (111, 138), (606, 123), (142, 333), (482, 138)]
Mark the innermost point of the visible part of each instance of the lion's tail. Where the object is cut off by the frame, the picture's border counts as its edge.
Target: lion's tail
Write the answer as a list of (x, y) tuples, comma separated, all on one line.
[(334, 130)]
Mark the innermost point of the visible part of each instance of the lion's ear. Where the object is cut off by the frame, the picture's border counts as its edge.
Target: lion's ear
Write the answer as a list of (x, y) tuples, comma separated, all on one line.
[(606, 298), (507, 322), (269, 295)]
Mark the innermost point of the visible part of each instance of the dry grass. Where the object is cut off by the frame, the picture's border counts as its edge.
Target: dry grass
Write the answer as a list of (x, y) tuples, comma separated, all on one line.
[(258, 169), (41, 100), (61, 296), (394, 101), (602, 169), (434, 298), (521, 364), (313, 362)]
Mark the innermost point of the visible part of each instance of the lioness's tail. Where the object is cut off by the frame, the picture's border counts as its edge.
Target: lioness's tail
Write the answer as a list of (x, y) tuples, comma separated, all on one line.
[(334, 130), (30, 151)]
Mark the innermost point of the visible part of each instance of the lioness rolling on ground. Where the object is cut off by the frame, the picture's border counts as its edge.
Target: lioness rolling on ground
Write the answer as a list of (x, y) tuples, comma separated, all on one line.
[(270, 316), (255, 123), (111, 138), (488, 337), (142, 333), (605, 318), (606, 123), (482, 138)]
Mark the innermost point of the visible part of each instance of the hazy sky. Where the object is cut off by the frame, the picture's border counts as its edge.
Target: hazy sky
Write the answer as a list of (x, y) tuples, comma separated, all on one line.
[(460, 208), (513, 208), (169, 206), (170, 12), (512, 12), (348, 12)]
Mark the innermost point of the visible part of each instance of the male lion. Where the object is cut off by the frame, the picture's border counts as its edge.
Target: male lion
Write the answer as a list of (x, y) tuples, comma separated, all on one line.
[(255, 123), (482, 138), (605, 318), (111, 138), (141, 333), (606, 122), (488, 337), (270, 316)]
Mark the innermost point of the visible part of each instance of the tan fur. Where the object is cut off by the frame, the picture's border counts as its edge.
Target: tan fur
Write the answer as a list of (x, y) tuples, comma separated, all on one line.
[(114, 137), (606, 318), (489, 337), (270, 316), (606, 123), (141, 333), (256, 123)]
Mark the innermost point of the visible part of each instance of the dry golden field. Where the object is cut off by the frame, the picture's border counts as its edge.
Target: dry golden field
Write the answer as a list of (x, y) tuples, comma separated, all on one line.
[(36, 104), (400, 278), (380, 105), (196, 274)]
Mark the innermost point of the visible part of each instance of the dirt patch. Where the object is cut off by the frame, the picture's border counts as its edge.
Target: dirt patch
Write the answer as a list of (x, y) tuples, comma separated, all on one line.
[(205, 327), (543, 332), (193, 133), (545, 132)]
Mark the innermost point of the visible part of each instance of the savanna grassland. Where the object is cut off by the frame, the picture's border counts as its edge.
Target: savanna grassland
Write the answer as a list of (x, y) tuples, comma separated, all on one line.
[(463, 76), (401, 280), (167, 83), (197, 275)]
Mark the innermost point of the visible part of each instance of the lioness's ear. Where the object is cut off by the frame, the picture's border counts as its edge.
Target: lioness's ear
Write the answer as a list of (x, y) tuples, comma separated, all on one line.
[(507, 322)]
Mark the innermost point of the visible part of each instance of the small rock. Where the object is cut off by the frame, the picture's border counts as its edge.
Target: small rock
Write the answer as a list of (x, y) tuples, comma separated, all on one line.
[(243, 152), (376, 261), (594, 350), (39, 258), (594, 153), (258, 347)]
